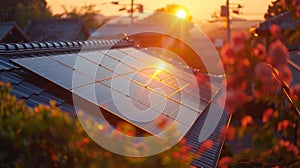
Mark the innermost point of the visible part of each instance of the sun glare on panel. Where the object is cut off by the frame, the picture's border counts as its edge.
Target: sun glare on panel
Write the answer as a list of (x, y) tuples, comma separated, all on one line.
[(160, 68)]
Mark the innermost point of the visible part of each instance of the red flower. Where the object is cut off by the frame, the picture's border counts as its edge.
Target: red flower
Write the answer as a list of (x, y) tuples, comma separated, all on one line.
[(176, 155), (298, 11), (245, 121), (224, 162), (290, 147), (205, 146), (283, 3), (267, 114), (229, 132), (282, 125), (86, 140)]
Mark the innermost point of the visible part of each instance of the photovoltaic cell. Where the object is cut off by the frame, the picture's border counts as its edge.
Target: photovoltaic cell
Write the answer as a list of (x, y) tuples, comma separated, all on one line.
[(131, 84)]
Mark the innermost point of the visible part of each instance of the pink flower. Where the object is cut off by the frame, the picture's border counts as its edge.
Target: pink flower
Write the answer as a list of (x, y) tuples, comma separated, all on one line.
[(267, 115), (240, 38), (224, 162), (285, 74), (268, 85), (236, 82), (243, 67), (228, 54), (296, 90), (245, 121), (259, 52), (275, 31), (278, 54), (235, 99), (263, 72)]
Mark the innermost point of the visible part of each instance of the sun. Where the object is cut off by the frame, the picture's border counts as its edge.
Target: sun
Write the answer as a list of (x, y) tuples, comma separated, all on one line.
[(181, 13)]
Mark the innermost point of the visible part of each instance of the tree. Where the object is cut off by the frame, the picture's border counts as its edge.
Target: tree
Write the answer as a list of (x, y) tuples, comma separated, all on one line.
[(87, 13), (275, 9), (21, 11)]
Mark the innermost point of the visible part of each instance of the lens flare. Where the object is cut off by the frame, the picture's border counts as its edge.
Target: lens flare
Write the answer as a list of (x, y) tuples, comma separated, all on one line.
[(181, 14)]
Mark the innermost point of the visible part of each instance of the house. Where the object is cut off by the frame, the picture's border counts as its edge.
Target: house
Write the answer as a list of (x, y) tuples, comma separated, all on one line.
[(68, 29), (288, 25), (43, 71), (10, 32)]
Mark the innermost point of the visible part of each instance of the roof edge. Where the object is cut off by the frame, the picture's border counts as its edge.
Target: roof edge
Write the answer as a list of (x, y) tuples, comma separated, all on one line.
[(61, 46)]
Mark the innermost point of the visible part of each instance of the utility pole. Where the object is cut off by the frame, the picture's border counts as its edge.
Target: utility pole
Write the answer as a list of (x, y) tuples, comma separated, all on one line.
[(131, 12), (228, 21)]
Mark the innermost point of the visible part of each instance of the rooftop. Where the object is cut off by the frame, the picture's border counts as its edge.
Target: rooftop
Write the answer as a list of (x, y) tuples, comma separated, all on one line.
[(36, 86)]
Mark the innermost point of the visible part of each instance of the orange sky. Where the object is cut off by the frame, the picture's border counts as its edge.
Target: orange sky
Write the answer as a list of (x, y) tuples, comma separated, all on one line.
[(199, 9)]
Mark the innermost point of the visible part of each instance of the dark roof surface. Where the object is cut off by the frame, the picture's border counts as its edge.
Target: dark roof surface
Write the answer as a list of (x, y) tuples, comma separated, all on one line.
[(56, 30), (284, 21), (35, 90), (294, 64), (8, 28)]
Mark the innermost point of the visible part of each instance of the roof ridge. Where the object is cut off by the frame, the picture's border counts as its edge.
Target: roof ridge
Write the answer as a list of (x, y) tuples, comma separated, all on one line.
[(61, 46)]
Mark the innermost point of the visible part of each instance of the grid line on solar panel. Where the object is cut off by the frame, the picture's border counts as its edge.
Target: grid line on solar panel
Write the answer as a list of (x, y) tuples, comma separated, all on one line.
[(86, 66), (117, 67), (149, 57), (187, 101), (166, 97), (150, 106)]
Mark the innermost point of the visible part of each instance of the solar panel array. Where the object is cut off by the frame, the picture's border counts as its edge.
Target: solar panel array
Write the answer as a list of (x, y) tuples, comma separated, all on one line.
[(127, 79)]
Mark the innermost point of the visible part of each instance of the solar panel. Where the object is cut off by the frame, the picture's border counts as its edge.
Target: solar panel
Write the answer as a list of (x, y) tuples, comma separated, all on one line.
[(145, 87)]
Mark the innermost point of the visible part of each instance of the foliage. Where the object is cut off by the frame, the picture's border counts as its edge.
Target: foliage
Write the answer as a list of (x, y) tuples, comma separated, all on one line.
[(290, 34), (275, 9), (46, 137), (260, 97), (21, 11), (87, 13)]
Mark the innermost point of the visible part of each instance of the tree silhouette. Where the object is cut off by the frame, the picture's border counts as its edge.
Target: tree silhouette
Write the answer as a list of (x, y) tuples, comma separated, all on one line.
[(21, 11), (275, 9)]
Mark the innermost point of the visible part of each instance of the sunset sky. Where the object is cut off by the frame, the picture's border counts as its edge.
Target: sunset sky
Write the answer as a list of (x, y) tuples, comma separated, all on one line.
[(199, 9)]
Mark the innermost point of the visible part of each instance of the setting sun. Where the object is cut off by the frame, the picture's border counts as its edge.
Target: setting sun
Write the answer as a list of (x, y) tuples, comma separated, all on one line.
[(181, 13)]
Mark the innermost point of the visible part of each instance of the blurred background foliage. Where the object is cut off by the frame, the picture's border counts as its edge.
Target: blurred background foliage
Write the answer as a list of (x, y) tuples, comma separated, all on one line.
[(47, 137)]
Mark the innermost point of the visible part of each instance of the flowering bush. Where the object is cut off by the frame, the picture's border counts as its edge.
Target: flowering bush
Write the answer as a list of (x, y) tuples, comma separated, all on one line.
[(46, 137), (260, 97)]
